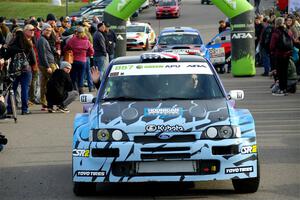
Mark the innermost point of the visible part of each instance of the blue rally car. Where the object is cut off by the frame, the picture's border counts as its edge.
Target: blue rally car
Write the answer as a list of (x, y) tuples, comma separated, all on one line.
[(164, 117), (181, 39)]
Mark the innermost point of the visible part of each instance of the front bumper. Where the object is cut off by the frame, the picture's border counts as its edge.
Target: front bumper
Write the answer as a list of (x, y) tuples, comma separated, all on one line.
[(122, 161), (167, 13)]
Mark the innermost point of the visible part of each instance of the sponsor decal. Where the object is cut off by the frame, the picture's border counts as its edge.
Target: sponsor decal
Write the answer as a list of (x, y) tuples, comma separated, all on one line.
[(163, 112), (123, 67), (164, 128), (238, 170), (113, 74), (81, 153), (170, 66), (241, 36), (149, 66), (164, 136), (249, 149), (90, 173), (196, 66)]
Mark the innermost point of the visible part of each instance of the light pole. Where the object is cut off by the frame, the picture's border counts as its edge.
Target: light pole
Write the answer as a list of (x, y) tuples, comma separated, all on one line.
[(67, 7)]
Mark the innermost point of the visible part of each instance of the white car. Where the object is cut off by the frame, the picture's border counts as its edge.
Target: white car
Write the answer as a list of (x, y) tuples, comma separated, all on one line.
[(140, 35)]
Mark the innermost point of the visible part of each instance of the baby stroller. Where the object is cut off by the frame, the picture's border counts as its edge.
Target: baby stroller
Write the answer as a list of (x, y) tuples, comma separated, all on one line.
[(3, 141), (292, 79)]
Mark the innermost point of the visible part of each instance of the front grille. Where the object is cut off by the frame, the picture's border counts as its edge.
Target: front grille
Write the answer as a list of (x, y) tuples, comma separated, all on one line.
[(162, 149), (225, 150), (131, 40), (155, 139), (181, 48), (203, 167), (105, 152), (163, 156)]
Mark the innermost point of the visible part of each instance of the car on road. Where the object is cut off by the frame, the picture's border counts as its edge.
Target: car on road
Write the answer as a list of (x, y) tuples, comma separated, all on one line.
[(97, 3), (167, 8), (206, 1), (219, 48), (164, 117), (140, 35), (89, 13), (178, 39)]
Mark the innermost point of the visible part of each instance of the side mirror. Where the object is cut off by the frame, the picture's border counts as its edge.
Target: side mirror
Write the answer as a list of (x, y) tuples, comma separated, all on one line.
[(236, 94), (86, 98)]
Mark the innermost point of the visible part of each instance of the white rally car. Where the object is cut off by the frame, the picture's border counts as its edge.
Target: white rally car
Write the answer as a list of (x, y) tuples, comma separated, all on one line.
[(140, 35)]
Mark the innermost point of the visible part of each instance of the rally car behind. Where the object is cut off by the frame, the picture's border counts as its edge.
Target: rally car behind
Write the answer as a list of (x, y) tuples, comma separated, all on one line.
[(140, 35)]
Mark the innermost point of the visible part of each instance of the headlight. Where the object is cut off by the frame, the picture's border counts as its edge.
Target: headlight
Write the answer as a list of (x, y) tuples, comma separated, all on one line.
[(221, 132), (105, 135), (117, 135), (225, 132), (212, 132)]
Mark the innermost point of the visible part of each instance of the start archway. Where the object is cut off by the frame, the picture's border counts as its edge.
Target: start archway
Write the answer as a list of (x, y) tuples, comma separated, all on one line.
[(240, 13)]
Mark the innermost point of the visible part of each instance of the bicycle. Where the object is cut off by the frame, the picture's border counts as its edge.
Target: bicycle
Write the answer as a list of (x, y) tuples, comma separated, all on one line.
[(9, 93)]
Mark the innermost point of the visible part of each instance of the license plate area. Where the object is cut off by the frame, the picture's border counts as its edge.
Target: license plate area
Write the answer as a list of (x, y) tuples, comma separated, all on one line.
[(166, 167)]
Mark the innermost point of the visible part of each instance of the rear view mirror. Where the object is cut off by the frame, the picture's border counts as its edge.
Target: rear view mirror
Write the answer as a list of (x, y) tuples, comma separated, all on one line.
[(236, 94)]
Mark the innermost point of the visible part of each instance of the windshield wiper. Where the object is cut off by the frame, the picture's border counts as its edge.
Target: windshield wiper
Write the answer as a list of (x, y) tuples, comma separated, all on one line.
[(175, 98)]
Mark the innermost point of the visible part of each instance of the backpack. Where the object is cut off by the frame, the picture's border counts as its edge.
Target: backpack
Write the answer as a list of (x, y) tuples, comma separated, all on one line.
[(266, 37), (18, 64), (286, 43)]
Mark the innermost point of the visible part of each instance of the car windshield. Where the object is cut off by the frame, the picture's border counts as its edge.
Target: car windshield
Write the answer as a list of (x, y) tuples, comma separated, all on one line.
[(167, 3), (135, 29), (181, 39), (162, 87)]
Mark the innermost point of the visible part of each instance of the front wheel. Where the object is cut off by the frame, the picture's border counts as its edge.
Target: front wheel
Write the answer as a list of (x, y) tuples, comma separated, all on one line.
[(146, 46), (84, 188), (248, 185)]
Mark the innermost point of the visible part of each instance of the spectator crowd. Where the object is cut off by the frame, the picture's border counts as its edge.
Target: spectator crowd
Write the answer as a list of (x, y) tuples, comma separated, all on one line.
[(50, 60)]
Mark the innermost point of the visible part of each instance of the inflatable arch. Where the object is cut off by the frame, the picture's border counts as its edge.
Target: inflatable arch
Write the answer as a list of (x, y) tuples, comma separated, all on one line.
[(240, 13)]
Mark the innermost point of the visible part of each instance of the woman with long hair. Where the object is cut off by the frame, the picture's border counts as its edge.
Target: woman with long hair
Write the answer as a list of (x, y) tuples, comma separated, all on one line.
[(21, 46)]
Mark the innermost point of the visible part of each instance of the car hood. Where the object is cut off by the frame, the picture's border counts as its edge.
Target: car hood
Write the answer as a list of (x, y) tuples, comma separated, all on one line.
[(175, 115), (134, 34)]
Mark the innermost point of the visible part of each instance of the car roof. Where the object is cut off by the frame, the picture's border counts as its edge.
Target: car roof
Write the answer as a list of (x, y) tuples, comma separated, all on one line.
[(179, 29), (138, 59), (138, 24)]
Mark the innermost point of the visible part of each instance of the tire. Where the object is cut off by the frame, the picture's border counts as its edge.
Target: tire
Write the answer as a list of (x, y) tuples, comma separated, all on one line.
[(146, 46), (84, 188), (202, 2), (248, 185)]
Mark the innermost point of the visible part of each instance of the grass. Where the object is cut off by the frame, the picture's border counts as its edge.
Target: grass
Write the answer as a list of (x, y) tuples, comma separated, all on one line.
[(23, 10)]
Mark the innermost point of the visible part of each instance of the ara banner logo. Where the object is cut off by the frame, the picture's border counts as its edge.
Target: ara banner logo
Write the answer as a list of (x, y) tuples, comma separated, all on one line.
[(231, 4), (241, 36), (122, 4)]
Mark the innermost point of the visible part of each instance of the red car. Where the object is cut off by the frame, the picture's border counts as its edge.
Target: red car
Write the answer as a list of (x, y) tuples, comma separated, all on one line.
[(167, 8)]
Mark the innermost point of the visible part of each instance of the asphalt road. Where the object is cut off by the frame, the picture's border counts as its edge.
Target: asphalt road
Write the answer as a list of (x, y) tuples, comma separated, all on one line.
[(36, 163)]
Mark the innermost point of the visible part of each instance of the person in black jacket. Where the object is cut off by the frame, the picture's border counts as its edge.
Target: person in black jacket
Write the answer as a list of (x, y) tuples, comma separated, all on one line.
[(60, 89)]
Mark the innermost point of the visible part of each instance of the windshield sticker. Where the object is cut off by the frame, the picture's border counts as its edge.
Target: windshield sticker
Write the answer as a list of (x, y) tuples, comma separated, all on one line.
[(160, 69), (179, 33), (163, 112)]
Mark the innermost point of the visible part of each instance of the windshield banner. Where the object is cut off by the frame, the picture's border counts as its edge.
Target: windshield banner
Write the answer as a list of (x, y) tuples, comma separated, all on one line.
[(160, 69)]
